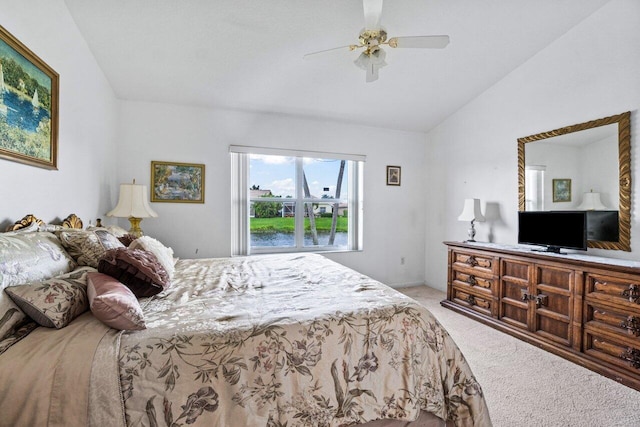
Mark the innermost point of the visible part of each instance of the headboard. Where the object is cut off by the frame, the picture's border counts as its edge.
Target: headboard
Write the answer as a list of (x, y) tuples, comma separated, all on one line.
[(71, 221)]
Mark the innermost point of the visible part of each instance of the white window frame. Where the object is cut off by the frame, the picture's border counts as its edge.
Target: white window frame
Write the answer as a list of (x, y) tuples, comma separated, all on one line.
[(534, 187), (240, 200)]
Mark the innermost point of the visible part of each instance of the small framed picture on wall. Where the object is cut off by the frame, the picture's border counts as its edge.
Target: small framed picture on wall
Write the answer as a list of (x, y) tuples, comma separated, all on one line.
[(561, 190), (393, 175)]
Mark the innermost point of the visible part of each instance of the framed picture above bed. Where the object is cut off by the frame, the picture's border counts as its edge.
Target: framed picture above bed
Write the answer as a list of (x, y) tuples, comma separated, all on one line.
[(177, 182), (28, 105)]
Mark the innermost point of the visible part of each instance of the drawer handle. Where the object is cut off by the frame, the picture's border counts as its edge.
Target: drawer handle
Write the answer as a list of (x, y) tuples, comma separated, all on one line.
[(633, 293), (632, 325), (632, 355), (471, 300), (540, 299), (472, 280), (472, 261)]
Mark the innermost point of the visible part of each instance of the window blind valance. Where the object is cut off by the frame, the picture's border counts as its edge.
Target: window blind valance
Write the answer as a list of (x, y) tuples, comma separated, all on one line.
[(296, 153)]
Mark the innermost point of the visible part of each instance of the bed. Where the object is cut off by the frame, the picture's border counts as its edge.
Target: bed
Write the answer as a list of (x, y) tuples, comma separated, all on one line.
[(270, 340)]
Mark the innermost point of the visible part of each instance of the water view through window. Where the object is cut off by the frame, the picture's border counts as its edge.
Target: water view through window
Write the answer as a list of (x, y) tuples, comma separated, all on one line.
[(298, 202)]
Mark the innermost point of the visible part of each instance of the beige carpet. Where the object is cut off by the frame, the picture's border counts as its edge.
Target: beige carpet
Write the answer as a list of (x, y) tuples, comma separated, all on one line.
[(527, 386)]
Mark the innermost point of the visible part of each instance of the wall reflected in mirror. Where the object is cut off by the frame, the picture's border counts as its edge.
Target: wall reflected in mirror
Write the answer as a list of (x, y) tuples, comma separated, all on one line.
[(588, 158)]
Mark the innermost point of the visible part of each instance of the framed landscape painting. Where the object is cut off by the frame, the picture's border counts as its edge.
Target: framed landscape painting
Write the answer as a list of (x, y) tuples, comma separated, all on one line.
[(177, 182), (28, 105)]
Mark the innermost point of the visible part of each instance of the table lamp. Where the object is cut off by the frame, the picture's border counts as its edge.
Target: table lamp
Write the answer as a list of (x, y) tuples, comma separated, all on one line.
[(471, 212), (133, 204)]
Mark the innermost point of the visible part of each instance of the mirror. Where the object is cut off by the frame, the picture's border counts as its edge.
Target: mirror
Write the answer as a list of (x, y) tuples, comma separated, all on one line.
[(572, 167)]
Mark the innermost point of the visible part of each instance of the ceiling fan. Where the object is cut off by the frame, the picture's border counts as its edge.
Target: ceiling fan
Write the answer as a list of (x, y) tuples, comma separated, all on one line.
[(373, 37)]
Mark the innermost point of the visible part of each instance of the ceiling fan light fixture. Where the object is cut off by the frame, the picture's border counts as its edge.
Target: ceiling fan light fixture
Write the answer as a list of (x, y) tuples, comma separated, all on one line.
[(372, 37), (371, 62)]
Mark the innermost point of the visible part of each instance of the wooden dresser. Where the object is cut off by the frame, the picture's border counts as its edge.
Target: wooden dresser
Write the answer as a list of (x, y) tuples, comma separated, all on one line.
[(583, 308)]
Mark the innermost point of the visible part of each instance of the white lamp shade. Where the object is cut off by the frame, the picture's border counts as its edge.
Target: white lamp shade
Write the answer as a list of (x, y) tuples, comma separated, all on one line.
[(591, 202), (471, 211), (133, 202)]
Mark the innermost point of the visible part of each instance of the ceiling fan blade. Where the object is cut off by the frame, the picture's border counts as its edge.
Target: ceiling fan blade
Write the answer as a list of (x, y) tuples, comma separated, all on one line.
[(321, 52), (372, 12), (429, 42)]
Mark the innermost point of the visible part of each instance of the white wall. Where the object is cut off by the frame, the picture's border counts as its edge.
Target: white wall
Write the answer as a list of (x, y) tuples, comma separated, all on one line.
[(601, 156), (87, 127), (590, 72), (394, 217)]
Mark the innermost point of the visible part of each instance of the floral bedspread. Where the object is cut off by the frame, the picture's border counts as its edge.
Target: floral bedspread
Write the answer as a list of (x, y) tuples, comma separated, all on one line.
[(290, 340)]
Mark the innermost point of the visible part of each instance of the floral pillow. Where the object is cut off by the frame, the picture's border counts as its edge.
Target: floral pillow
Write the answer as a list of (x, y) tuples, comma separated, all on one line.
[(53, 303), (113, 303), (27, 257), (87, 246)]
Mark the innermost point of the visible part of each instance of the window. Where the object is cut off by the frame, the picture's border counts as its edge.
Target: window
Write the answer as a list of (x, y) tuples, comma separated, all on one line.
[(534, 188), (289, 200)]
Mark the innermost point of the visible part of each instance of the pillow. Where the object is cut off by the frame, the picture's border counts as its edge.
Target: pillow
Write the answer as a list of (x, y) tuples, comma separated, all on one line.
[(138, 269), (163, 253), (113, 229), (87, 246), (24, 258), (53, 303), (127, 239), (113, 303)]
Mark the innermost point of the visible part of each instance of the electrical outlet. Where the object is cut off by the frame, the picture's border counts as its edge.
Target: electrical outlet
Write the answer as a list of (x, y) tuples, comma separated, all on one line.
[(401, 260)]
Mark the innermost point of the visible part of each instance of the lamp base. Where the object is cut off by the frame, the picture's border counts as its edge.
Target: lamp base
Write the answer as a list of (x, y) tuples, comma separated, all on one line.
[(135, 226), (472, 233)]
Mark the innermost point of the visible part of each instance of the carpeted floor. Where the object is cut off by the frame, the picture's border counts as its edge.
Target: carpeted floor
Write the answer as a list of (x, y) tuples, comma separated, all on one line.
[(527, 386)]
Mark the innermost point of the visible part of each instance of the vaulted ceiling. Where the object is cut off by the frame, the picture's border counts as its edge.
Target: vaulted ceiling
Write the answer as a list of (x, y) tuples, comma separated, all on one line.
[(247, 54)]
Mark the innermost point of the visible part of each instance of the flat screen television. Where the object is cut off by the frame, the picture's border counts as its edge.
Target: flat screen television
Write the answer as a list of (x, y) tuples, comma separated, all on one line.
[(553, 229)]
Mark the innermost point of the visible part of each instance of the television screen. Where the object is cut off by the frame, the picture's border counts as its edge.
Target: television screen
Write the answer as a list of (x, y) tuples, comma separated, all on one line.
[(554, 229), (603, 226)]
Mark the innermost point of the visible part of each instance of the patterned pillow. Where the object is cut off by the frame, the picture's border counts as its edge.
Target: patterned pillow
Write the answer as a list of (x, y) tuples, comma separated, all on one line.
[(87, 246), (54, 303), (163, 253), (138, 269), (113, 303), (113, 229), (25, 258)]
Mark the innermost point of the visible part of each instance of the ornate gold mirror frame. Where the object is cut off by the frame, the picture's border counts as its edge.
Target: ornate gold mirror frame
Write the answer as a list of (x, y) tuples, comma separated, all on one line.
[(624, 163)]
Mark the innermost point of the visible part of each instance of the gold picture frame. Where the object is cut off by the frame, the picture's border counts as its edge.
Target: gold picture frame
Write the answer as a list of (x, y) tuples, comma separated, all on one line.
[(393, 175), (28, 105), (175, 182)]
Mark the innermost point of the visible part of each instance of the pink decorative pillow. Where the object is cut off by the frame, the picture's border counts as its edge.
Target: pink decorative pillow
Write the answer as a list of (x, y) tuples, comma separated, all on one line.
[(113, 303), (136, 268)]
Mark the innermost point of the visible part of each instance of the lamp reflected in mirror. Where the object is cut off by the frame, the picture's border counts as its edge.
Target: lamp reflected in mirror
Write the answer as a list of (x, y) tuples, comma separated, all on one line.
[(591, 202)]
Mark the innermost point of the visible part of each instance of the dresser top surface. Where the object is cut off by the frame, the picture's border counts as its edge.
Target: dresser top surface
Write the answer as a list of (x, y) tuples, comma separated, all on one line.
[(534, 251)]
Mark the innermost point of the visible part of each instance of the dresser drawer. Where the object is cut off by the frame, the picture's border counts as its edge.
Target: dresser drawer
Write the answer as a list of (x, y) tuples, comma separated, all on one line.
[(464, 279), (475, 263), (620, 291), (613, 320), (614, 350), (481, 304)]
